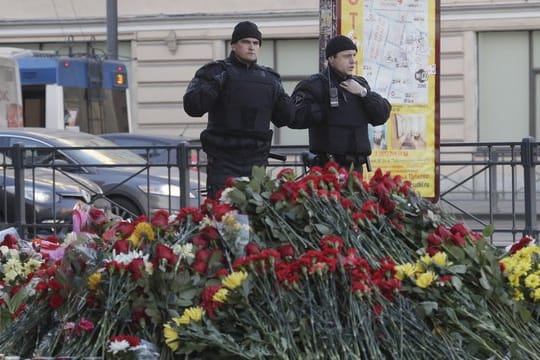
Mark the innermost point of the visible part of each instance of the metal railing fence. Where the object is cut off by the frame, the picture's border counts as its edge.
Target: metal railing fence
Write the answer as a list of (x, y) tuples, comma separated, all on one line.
[(480, 183)]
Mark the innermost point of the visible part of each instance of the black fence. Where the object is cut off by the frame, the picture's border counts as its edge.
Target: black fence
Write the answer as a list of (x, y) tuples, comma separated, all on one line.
[(480, 184)]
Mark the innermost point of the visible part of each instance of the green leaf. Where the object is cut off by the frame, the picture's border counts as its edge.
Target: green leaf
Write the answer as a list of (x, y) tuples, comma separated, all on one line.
[(524, 314), (428, 307), (457, 253), (484, 282), (258, 173), (458, 269), (456, 282), (323, 229), (488, 230)]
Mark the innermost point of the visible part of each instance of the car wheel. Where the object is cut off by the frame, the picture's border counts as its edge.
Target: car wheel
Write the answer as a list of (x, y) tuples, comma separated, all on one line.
[(124, 208)]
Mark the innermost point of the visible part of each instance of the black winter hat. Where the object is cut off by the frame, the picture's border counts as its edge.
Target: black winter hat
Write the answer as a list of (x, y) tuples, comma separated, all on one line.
[(246, 29), (339, 43)]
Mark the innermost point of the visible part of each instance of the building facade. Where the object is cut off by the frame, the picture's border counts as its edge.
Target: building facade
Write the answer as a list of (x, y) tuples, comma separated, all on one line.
[(489, 55)]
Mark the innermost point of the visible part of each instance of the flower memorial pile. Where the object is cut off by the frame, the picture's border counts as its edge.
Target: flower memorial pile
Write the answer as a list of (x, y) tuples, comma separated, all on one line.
[(328, 266)]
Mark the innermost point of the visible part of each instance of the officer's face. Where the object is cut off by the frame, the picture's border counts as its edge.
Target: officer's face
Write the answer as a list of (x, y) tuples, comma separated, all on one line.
[(343, 62), (246, 49)]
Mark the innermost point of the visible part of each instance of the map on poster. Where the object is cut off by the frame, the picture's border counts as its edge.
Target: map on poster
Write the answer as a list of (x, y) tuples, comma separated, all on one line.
[(396, 49)]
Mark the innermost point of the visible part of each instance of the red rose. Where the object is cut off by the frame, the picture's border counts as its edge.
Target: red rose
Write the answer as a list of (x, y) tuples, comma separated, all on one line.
[(220, 210), (458, 240), (460, 228), (443, 232), (433, 239)]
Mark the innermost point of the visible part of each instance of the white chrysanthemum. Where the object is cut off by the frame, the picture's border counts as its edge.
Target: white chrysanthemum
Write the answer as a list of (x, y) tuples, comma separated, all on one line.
[(31, 265), (184, 251), (126, 259), (12, 269), (206, 221), (118, 346)]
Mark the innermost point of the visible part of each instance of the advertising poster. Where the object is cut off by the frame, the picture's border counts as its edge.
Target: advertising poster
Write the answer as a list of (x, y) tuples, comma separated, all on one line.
[(398, 54)]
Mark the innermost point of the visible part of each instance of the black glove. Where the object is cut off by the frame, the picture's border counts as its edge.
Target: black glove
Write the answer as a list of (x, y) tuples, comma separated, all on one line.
[(221, 79)]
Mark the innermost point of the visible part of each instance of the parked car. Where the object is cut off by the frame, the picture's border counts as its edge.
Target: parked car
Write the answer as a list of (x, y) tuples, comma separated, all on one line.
[(157, 149), (49, 197), (133, 187)]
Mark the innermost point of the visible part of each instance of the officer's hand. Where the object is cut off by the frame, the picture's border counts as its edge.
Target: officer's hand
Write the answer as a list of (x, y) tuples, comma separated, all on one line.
[(353, 87), (221, 79)]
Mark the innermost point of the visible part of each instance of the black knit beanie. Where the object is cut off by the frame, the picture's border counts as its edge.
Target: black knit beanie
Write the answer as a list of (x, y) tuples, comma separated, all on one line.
[(246, 29), (339, 43)]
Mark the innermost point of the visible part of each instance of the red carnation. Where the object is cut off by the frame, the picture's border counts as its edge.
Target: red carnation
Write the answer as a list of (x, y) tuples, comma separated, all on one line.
[(287, 251), (200, 267), (56, 300), (165, 252), (160, 219), (121, 246), (252, 249)]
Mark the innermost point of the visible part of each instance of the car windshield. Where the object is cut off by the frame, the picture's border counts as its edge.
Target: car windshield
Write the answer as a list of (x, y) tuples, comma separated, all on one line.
[(98, 156)]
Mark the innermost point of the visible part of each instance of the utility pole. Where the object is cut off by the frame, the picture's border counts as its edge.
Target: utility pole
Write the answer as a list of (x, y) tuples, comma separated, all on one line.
[(112, 29)]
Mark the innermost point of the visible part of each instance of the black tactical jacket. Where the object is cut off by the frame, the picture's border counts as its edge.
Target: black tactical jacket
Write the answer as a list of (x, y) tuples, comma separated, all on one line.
[(339, 130), (241, 102)]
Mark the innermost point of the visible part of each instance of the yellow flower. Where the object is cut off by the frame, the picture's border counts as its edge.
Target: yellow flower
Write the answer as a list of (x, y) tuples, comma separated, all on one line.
[(440, 258), (424, 261), (195, 313), (171, 337), (94, 280), (182, 320), (532, 281), (536, 294), (425, 279), (142, 231), (518, 295), (221, 295), (234, 280), (192, 314), (405, 270)]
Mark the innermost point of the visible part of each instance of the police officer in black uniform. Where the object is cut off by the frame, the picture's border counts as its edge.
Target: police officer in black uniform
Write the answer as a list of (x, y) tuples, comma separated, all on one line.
[(337, 108), (241, 99)]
